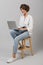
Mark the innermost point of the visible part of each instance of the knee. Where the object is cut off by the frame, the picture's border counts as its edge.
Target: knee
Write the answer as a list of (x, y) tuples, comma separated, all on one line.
[(16, 39), (11, 32)]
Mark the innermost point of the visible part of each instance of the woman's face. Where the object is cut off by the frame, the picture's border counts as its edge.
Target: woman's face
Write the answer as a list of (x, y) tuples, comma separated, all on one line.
[(23, 11)]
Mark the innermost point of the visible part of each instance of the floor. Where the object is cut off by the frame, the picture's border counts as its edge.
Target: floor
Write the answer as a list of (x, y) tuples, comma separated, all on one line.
[(37, 59)]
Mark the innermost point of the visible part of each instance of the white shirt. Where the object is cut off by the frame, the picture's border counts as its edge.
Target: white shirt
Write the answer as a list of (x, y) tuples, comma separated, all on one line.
[(27, 22)]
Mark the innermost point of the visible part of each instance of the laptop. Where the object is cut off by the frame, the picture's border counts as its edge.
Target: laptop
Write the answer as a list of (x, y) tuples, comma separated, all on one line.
[(12, 24)]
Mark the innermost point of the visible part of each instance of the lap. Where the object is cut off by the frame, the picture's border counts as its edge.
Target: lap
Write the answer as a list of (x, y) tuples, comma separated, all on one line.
[(23, 36), (19, 35), (16, 31)]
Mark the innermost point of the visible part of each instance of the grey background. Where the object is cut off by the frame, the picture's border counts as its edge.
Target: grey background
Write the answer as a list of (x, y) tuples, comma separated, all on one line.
[(9, 11)]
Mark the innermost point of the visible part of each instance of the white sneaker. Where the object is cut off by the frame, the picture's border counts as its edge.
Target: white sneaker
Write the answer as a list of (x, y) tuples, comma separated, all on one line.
[(11, 60)]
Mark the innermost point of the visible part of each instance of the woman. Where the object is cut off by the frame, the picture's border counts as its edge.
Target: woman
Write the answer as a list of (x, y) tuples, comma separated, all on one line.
[(24, 29)]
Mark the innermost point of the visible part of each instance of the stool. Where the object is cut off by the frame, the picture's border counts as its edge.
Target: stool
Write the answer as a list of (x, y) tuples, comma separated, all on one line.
[(24, 47)]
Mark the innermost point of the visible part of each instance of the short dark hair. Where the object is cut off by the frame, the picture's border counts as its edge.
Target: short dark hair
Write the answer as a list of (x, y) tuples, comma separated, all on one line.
[(25, 7)]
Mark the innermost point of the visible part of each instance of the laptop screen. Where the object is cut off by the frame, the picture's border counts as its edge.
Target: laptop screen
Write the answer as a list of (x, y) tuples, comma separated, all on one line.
[(12, 24)]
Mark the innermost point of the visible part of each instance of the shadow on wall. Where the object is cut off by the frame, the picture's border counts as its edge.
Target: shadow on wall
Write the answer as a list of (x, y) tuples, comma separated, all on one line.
[(37, 39)]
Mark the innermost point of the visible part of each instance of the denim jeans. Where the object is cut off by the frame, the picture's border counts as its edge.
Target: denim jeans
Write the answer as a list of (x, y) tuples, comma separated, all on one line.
[(17, 36)]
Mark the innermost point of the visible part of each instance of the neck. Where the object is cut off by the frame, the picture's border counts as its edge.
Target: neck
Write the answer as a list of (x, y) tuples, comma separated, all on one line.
[(25, 14)]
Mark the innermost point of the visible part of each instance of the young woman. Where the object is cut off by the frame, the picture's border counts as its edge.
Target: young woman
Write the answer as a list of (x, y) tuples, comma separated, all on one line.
[(24, 29)]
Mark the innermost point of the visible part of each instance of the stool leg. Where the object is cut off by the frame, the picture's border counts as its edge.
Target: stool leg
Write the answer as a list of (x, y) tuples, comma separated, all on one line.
[(22, 52), (30, 40)]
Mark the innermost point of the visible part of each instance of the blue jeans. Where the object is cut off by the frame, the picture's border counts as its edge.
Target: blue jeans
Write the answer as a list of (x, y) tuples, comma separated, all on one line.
[(17, 36)]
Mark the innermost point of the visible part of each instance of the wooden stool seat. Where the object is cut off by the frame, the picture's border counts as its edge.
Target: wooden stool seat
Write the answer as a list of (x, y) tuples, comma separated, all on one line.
[(24, 48)]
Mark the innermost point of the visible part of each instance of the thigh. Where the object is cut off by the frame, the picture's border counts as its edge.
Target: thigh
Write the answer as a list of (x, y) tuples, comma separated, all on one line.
[(18, 32), (22, 36)]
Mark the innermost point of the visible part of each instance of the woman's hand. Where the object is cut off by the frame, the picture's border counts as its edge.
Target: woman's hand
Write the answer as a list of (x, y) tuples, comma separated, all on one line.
[(22, 28)]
